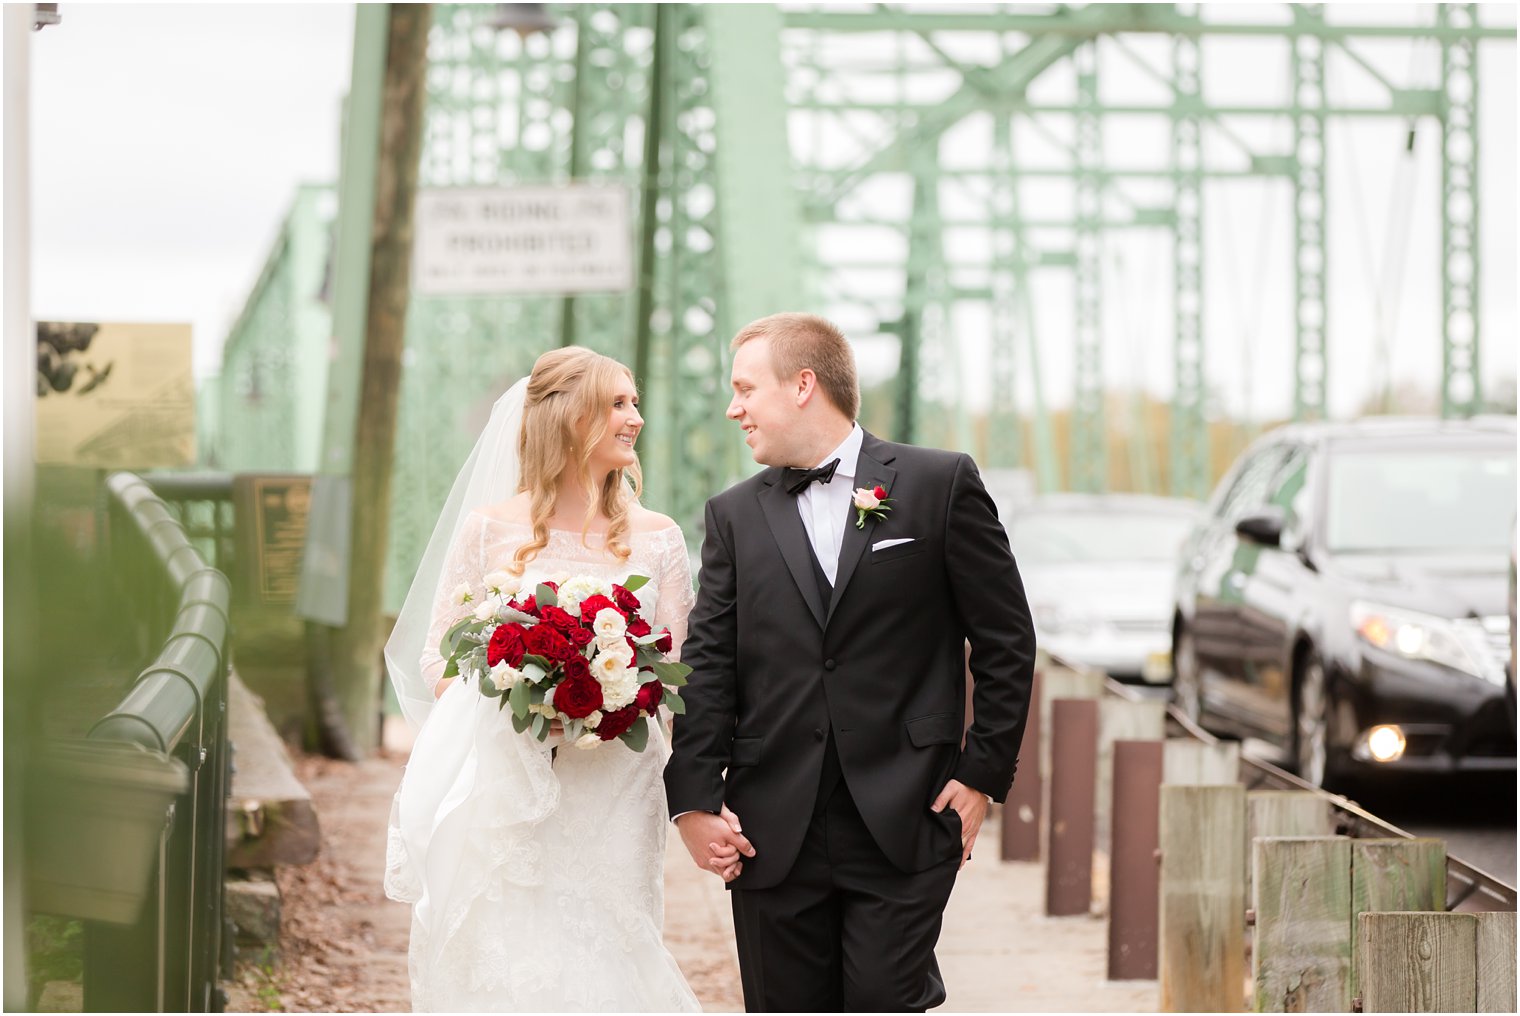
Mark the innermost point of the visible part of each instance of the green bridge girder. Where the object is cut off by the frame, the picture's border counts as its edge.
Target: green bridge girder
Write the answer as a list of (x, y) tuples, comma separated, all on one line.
[(705, 114)]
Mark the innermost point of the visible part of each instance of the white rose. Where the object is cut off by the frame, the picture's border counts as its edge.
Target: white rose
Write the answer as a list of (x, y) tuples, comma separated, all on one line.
[(462, 594), (485, 611), (573, 590), (593, 719), (504, 676), (503, 583), (618, 650), (619, 682), (866, 498), (609, 623), (588, 741)]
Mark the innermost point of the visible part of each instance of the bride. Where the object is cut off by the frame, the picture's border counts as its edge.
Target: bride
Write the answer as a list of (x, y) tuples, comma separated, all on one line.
[(535, 874)]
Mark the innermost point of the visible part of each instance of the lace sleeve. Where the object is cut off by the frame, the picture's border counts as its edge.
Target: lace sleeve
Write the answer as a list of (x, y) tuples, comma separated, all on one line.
[(675, 596), (465, 565)]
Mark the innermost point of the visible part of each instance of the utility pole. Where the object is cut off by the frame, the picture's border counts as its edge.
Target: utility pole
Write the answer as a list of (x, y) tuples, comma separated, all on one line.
[(356, 645)]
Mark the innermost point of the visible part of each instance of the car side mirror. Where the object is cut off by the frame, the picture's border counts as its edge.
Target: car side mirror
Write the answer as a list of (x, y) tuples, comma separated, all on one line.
[(1263, 527)]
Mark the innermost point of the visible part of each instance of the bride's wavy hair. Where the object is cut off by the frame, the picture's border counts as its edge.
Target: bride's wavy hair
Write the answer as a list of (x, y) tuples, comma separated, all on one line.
[(564, 418)]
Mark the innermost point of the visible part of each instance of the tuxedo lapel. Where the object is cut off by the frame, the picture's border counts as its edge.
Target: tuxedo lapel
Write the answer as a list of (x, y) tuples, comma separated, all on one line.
[(871, 469), (786, 526)]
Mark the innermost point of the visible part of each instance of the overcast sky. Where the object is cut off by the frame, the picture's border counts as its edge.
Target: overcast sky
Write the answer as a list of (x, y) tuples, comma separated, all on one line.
[(167, 143)]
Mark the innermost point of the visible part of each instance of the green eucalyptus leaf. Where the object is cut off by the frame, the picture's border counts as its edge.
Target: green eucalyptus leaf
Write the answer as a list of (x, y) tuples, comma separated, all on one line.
[(519, 723), (674, 702), (636, 736), (671, 673), (635, 583), (518, 698), (545, 597), (540, 726)]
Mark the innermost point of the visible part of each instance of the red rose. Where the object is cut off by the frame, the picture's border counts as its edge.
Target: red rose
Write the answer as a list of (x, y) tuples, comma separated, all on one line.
[(617, 722), (665, 643), (626, 600), (552, 585), (528, 606), (578, 697), (649, 697), (543, 640), (880, 492), (577, 669), (506, 644), (559, 618), (639, 627), (593, 603), (580, 637)]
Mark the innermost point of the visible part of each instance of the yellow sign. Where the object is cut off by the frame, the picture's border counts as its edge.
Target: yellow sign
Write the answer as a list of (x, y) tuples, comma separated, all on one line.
[(115, 396)]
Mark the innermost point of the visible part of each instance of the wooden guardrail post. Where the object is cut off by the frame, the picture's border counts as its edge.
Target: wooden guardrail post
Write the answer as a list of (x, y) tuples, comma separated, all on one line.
[(1134, 877), (1074, 756), (1284, 813), (1393, 876), (1121, 720), (1301, 959), (1496, 961), (1418, 962), (1022, 812), (1187, 762), (1202, 927)]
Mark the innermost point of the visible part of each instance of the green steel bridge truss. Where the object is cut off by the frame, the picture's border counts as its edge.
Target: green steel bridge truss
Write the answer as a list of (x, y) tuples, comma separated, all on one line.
[(754, 140)]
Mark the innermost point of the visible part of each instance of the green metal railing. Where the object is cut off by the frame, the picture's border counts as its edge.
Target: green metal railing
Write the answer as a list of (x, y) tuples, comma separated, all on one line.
[(132, 834)]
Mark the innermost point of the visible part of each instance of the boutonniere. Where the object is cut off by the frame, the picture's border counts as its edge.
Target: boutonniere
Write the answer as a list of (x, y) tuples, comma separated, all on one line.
[(871, 502)]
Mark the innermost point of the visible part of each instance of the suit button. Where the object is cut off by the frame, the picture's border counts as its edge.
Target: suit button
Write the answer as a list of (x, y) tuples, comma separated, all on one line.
[(828, 664), (817, 734)]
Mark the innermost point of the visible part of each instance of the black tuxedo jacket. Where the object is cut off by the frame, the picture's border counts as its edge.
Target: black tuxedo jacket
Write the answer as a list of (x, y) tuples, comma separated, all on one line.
[(882, 665)]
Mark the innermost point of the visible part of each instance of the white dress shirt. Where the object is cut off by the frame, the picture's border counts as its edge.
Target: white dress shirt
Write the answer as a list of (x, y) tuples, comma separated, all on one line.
[(825, 507)]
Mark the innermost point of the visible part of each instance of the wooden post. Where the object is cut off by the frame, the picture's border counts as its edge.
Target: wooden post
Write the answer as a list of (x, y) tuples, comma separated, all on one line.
[(1286, 813), (1301, 961), (1056, 682), (1121, 720), (1202, 928), (356, 647), (1134, 878), (1418, 962), (1022, 812), (1496, 961), (1074, 754), (1191, 763), (1395, 875)]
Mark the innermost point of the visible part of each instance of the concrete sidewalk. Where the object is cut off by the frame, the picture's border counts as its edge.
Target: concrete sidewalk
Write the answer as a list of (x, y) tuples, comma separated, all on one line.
[(343, 944)]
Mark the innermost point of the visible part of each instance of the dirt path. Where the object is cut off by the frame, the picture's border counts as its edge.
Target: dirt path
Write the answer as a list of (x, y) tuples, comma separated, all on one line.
[(343, 944)]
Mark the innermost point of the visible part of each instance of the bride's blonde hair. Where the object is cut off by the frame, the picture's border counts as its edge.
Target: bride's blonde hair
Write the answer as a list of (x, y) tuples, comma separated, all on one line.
[(564, 418)]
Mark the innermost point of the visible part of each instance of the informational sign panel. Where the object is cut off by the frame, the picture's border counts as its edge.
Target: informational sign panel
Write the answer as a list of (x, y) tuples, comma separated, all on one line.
[(115, 396), (546, 240), (272, 512)]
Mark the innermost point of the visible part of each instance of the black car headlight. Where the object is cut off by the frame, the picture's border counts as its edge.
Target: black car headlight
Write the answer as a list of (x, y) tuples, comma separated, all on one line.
[(1459, 645)]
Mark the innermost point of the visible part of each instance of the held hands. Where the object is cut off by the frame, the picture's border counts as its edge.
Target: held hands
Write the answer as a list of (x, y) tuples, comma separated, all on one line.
[(716, 842), (970, 805)]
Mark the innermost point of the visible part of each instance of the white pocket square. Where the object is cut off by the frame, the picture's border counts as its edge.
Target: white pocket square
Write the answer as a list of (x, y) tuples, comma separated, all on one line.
[(884, 544)]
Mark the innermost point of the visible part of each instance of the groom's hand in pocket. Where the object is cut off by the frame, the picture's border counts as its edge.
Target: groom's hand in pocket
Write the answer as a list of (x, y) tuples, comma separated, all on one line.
[(716, 843), (971, 805)]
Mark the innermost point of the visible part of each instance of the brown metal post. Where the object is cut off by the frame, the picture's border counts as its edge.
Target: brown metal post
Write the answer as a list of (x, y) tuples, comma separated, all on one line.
[(1073, 783), (1134, 876), (1021, 813)]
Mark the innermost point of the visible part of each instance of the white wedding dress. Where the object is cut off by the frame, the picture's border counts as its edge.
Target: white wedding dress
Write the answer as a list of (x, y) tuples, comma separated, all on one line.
[(536, 884)]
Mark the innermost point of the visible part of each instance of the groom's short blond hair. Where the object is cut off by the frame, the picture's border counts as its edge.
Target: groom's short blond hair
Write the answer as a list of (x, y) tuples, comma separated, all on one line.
[(808, 342)]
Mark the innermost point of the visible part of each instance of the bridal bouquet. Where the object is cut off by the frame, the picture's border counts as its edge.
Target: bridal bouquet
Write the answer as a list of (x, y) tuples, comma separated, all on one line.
[(576, 651)]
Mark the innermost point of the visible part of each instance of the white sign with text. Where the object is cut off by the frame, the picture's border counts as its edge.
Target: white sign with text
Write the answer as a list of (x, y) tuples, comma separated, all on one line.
[(490, 240)]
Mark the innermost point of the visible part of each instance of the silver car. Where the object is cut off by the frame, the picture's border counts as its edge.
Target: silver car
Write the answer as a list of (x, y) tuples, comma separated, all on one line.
[(1098, 572)]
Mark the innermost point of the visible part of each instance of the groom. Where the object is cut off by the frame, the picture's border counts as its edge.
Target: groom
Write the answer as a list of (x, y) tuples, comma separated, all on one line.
[(827, 698)]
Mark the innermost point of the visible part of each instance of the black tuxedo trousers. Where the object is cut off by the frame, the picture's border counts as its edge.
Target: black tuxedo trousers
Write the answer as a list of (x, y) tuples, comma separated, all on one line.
[(792, 678)]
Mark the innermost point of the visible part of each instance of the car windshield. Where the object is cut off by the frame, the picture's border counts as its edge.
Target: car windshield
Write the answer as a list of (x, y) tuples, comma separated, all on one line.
[(1456, 498), (1089, 536)]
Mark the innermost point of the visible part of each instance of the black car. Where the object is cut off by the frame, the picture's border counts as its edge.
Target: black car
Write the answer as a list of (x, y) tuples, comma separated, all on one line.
[(1344, 597)]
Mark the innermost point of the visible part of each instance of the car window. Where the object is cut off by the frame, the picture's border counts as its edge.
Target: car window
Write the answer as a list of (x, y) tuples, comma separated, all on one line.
[(1248, 492), (1420, 499), (1070, 537), (1290, 492)]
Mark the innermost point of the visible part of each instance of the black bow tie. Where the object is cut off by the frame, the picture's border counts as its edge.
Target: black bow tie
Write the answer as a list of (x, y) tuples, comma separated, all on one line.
[(797, 480)]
